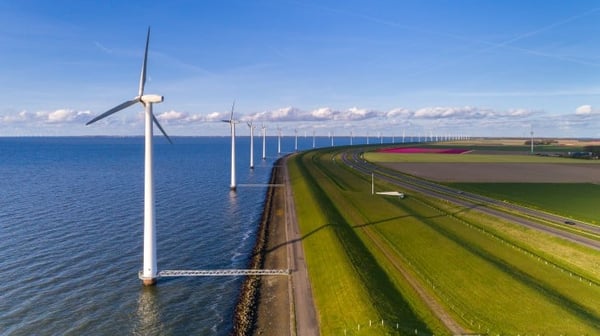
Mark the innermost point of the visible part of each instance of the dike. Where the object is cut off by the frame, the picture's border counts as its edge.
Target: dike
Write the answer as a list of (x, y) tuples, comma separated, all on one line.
[(246, 312)]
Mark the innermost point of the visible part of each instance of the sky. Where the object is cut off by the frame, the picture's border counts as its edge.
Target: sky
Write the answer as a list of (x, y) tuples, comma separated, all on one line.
[(449, 68)]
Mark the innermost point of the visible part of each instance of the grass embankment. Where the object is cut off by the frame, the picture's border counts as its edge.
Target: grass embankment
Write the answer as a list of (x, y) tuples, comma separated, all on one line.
[(349, 286), (488, 281)]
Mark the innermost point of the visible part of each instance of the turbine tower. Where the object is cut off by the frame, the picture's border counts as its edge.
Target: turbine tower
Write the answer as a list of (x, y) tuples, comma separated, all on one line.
[(295, 140), (264, 135), (149, 272), (531, 139), (278, 140), (252, 127), (314, 138), (232, 123)]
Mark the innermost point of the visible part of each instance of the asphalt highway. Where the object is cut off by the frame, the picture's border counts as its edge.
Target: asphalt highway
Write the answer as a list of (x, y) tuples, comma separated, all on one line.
[(555, 225)]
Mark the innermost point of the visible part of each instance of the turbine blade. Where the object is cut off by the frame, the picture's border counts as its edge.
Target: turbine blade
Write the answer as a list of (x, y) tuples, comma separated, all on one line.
[(232, 106), (143, 75), (161, 129), (114, 110)]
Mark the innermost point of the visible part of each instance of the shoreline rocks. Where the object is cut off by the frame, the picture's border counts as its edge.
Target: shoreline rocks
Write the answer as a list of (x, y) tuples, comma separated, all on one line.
[(246, 311)]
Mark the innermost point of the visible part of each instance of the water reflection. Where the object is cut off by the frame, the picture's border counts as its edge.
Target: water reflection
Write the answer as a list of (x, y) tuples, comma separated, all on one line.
[(233, 204), (148, 317)]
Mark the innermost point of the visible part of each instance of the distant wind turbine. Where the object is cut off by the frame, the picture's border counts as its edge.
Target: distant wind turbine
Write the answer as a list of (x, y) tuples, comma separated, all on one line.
[(264, 135), (232, 123), (252, 127), (149, 272), (278, 140), (314, 143), (531, 139), (295, 140)]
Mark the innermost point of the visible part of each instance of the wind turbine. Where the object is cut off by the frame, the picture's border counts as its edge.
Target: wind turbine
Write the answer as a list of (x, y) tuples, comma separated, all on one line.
[(295, 140), (252, 127), (232, 123), (264, 135), (149, 272), (314, 138), (278, 140), (531, 139)]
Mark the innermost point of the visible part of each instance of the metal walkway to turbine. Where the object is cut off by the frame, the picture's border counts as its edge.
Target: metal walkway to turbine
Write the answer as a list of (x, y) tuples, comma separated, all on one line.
[(261, 185), (223, 272)]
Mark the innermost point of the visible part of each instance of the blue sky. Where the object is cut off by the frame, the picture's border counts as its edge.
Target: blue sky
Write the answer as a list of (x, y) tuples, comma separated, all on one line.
[(479, 68)]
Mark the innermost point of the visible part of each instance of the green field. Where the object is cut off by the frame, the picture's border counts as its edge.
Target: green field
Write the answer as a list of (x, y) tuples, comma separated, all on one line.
[(573, 200), (489, 276)]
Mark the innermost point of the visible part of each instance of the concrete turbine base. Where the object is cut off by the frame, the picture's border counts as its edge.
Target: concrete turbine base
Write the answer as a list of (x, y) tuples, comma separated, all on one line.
[(147, 281)]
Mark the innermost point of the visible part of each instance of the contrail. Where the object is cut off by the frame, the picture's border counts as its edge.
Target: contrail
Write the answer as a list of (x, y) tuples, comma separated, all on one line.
[(490, 45)]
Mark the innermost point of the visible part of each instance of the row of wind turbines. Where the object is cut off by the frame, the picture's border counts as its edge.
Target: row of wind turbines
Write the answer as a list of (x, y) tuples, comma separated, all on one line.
[(149, 272)]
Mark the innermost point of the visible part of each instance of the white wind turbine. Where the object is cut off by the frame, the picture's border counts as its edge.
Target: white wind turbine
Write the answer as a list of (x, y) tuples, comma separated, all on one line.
[(264, 135), (252, 127), (295, 140), (232, 123), (149, 272), (531, 138), (313, 139), (278, 140)]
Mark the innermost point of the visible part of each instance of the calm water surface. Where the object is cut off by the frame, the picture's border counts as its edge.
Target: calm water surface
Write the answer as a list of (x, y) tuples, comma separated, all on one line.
[(71, 233)]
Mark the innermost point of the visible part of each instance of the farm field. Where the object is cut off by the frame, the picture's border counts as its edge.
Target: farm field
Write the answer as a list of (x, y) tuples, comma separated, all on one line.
[(567, 187), (578, 201), (419, 264)]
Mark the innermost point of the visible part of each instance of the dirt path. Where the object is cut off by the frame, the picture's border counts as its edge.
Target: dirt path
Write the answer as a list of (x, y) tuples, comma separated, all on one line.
[(304, 307), (284, 305)]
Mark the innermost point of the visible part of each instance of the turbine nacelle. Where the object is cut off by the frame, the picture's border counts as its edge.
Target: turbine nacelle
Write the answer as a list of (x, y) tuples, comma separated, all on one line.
[(152, 99)]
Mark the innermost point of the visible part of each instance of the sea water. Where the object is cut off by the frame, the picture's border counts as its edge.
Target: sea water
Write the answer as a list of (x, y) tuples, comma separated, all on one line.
[(71, 226)]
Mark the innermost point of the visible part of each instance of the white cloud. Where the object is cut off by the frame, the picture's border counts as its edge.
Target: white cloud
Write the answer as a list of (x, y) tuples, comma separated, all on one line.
[(466, 112), (20, 117), (51, 117), (399, 112), (584, 110), (172, 116), (447, 119)]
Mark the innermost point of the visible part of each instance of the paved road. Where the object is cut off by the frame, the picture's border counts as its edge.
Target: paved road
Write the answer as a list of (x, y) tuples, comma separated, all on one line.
[(304, 313), (478, 202)]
